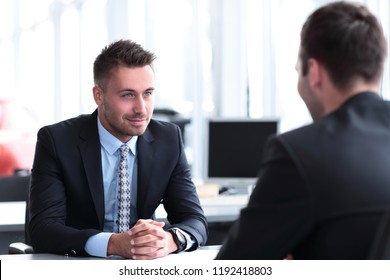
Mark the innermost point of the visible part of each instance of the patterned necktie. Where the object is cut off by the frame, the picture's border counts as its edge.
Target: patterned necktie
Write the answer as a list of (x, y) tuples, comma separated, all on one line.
[(123, 191)]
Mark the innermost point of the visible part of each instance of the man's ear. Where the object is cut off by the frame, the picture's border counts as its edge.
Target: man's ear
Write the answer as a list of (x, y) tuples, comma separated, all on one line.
[(314, 73), (97, 95)]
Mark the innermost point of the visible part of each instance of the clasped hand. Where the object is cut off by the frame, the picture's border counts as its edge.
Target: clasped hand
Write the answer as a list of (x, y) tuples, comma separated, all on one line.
[(146, 240)]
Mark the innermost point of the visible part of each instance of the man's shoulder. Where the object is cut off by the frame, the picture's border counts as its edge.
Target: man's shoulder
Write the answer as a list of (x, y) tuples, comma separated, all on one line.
[(305, 138), (359, 112), (300, 132)]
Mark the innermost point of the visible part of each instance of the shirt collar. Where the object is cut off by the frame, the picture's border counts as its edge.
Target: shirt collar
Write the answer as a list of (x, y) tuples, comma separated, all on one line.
[(111, 144)]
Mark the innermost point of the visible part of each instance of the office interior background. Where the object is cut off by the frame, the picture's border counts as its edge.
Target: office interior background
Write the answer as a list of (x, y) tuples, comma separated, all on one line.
[(215, 58)]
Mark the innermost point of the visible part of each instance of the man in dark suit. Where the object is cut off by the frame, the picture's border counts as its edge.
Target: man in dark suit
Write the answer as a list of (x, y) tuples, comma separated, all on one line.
[(323, 188), (75, 199)]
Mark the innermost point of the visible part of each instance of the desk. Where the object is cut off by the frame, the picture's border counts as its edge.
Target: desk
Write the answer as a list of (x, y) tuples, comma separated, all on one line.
[(223, 208), (12, 216), (220, 212), (203, 253)]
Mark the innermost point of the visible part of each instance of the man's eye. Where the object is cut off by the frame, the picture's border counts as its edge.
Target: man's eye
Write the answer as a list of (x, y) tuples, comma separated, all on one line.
[(128, 95)]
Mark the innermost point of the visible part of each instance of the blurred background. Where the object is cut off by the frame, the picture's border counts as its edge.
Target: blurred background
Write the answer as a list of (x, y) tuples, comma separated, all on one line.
[(215, 58)]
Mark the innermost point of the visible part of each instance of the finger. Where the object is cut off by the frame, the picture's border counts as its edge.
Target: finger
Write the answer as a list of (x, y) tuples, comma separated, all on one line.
[(139, 227), (149, 247), (143, 221), (150, 221), (151, 255), (144, 239), (148, 236), (158, 224), (146, 228)]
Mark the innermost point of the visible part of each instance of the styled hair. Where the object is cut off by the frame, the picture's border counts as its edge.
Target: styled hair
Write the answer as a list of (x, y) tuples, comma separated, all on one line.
[(120, 53), (348, 40)]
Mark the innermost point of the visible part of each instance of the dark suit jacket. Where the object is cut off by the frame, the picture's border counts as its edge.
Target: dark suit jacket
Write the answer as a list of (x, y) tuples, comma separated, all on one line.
[(67, 200), (322, 188)]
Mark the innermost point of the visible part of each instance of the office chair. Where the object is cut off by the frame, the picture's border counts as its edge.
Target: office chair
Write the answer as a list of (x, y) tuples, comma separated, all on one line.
[(381, 246), (16, 188), (173, 117)]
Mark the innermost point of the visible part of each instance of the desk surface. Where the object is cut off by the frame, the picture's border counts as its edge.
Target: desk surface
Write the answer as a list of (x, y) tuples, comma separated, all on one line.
[(203, 253)]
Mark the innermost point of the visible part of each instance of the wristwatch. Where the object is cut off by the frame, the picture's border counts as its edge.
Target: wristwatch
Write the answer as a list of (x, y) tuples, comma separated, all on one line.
[(179, 238)]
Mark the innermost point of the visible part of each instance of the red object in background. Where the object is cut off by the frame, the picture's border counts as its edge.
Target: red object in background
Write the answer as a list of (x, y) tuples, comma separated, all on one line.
[(18, 129)]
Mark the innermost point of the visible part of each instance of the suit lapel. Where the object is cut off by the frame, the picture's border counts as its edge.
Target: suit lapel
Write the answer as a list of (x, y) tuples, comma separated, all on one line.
[(146, 155), (90, 154)]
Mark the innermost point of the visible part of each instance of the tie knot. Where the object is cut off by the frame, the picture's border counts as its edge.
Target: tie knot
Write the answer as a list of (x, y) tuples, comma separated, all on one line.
[(124, 150)]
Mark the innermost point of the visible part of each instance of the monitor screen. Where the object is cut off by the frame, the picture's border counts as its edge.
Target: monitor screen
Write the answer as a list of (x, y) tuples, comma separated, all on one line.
[(234, 149)]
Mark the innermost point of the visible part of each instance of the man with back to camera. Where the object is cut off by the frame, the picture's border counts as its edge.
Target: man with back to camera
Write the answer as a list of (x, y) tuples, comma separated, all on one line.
[(89, 198), (323, 188)]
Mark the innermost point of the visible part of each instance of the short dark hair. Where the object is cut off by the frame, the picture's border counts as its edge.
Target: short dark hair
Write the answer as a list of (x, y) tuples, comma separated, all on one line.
[(120, 53), (347, 39)]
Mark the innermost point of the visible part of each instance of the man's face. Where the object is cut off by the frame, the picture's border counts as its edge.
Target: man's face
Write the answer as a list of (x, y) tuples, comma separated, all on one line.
[(308, 93), (126, 106)]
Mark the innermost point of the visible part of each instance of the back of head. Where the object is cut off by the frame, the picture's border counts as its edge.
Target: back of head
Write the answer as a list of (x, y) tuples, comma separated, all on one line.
[(120, 53), (348, 40)]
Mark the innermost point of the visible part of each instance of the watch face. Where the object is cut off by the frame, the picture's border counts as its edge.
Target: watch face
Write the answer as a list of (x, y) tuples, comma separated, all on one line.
[(181, 237)]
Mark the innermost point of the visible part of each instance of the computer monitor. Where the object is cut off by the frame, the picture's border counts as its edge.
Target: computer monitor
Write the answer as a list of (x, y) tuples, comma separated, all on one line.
[(234, 150)]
